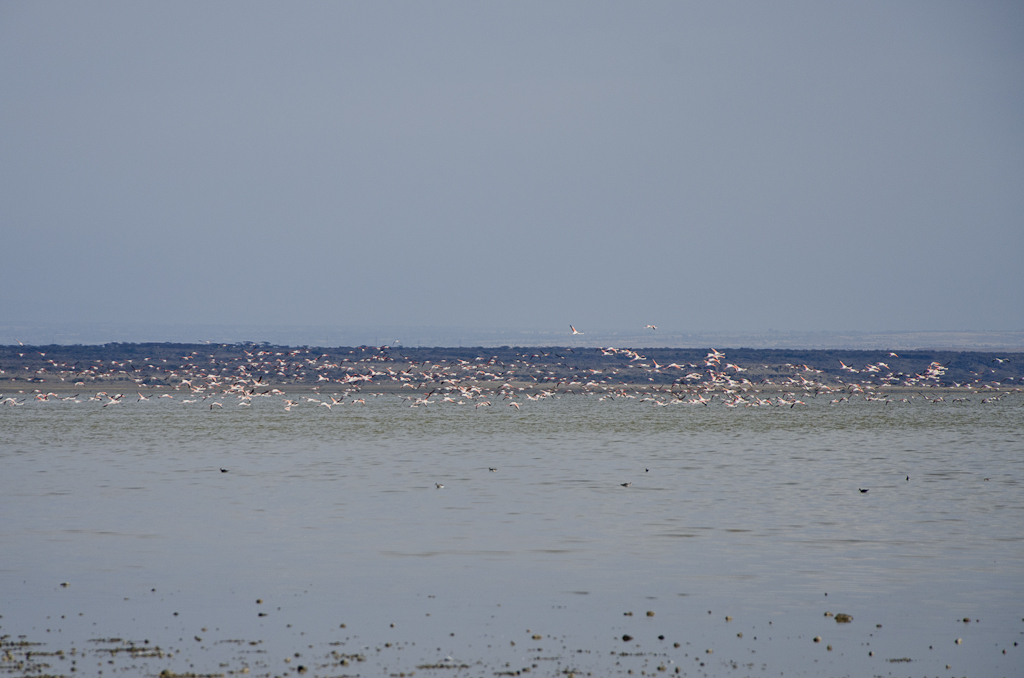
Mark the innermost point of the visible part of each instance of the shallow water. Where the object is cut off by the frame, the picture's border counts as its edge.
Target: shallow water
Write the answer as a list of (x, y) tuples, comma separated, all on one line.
[(333, 517)]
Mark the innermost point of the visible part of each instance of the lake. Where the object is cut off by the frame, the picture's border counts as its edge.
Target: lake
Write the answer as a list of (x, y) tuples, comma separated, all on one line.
[(614, 536)]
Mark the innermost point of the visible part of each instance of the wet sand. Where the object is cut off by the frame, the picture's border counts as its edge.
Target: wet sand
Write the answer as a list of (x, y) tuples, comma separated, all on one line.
[(638, 641)]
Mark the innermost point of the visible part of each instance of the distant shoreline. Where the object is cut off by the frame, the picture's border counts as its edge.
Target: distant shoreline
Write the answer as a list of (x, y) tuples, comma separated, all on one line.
[(425, 337)]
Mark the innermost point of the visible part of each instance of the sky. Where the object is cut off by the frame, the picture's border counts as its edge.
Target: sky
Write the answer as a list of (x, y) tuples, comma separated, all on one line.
[(796, 166)]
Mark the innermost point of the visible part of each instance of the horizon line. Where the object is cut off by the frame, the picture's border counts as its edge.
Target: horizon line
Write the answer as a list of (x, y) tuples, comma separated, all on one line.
[(324, 336)]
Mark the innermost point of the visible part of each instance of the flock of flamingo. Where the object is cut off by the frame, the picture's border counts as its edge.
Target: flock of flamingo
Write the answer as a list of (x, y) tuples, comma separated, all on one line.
[(304, 377)]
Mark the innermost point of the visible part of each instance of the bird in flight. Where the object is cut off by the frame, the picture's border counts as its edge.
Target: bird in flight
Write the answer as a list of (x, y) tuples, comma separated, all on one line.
[(574, 330), (650, 327)]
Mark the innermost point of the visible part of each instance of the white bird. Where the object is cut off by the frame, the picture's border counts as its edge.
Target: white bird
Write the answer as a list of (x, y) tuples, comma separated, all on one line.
[(574, 330), (650, 327)]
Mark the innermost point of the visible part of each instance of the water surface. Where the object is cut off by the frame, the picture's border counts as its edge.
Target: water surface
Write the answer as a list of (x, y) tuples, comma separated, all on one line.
[(334, 517)]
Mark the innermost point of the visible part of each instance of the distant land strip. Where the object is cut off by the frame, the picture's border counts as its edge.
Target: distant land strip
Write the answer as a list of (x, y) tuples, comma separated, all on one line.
[(256, 368), (593, 337)]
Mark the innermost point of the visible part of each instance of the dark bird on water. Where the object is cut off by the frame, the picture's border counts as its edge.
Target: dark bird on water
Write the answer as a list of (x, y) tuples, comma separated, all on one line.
[(625, 484), (223, 470), (862, 490)]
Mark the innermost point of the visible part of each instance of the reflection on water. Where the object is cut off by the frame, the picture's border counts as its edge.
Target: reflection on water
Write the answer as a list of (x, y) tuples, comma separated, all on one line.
[(334, 516)]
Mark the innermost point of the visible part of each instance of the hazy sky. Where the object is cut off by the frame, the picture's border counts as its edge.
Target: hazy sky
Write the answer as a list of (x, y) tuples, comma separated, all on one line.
[(712, 166)]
